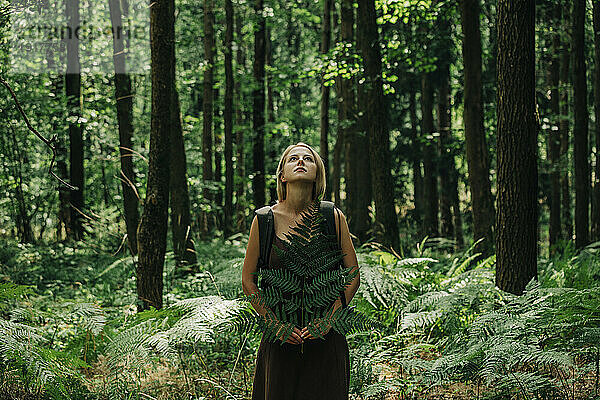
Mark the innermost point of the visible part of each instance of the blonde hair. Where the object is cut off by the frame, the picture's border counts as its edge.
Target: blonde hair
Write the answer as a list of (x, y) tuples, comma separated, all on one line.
[(319, 184)]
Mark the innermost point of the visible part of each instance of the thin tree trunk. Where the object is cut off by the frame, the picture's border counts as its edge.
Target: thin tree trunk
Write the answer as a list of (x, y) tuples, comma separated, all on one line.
[(596, 198), (324, 120), (258, 106), (228, 119), (124, 98), (270, 110), (73, 91), (207, 111), (447, 167), (554, 137), (418, 194), (565, 58), (152, 233), (63, 220), (183, 244), (477, 151), (240, 194), (517, 217), (377, 131), (580, 132), (430, 190)]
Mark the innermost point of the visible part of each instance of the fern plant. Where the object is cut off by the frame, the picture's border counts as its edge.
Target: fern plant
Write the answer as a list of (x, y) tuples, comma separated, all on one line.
[(303, 291)]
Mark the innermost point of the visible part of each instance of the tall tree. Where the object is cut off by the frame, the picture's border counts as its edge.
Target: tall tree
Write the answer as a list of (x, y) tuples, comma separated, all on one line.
[(376, 117), (596, 198), (517, 216), (183, 244), (73, 91), (580, 132), (324, 120), (357, 176), (207, 108), (258, 105), (430, 176), (416, 157), (564, 79), (152, 232), (228, 119), (240, 195), (477, 151), (124, 99), (554, 136)]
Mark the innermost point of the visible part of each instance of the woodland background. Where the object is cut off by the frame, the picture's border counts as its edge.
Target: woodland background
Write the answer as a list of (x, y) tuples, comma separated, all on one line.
[(460, 139)]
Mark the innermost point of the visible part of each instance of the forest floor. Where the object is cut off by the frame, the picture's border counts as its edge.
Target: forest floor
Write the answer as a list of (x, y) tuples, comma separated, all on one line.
[(221, 366)]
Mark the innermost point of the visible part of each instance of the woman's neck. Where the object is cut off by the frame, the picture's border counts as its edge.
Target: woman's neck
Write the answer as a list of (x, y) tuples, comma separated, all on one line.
[(298, 197)]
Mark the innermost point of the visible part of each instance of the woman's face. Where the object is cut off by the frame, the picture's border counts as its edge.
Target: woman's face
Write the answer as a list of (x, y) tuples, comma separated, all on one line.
[(299, 165)]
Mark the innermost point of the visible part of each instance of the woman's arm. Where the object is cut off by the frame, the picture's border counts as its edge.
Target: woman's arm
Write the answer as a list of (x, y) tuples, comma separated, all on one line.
[(249, 269)]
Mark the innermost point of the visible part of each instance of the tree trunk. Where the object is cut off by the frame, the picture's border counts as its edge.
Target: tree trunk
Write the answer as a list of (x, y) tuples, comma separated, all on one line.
[(124, 99), (218, 150), (447, 168), (183, 244), (240, 195), (73, 91), (416, 157), (228, 120), (565, 58), (377, 131), (258, 106), (207, 112), (596, 198), (477, 151), (63, 220), (430, 190), (324, 143), (516, 221), (270, 111), (554, 137), (580, 132), (152, 232)]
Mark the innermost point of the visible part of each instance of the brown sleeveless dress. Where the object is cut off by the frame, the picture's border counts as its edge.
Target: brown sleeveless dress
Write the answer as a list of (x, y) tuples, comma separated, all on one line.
[(282, 372)]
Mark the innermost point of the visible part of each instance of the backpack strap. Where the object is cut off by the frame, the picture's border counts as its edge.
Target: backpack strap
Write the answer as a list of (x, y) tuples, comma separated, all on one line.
[(266, 229), (328, 211)]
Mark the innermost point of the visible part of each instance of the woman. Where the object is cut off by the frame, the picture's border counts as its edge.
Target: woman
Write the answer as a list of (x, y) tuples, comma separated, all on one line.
[(322, 370)]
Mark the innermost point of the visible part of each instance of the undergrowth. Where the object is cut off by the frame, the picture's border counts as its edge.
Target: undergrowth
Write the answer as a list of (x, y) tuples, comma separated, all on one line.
[(69, 330)]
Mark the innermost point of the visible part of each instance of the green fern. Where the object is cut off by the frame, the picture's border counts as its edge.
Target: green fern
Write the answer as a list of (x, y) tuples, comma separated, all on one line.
[(303, 291)]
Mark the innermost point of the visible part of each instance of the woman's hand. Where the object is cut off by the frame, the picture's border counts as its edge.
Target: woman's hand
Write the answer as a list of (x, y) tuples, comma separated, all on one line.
[(294, 338), (323, 325)]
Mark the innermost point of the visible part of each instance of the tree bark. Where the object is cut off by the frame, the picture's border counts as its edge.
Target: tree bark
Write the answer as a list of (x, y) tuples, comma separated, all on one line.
[(152, 232), (580, 132), (228, 120), (418, 193), (477, 151), (516, 220), (207, 111), (258, 106), (447, 168), (565, 58), (183, 244), (325, 92), (430, 160), (240, 195), (596, 198), (73, 91), (554, 136), (124, 99), (377, 131)]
